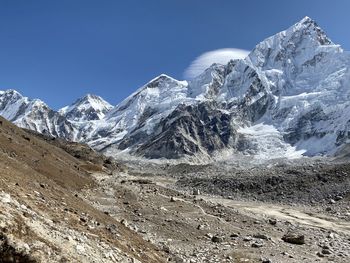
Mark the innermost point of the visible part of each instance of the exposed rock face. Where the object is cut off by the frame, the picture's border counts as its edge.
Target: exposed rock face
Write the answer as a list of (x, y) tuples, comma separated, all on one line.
[(289, 96), (190, 130), (306, 126)]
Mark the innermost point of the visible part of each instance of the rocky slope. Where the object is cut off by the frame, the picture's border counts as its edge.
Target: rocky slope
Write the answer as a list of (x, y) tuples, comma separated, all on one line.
[(43, 214), (289, 97)]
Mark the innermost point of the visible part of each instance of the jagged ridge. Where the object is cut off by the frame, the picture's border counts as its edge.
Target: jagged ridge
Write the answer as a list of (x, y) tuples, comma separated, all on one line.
[(292, 87)]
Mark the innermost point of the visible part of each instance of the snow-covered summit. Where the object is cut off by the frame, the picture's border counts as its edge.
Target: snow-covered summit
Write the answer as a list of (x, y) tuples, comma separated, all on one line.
[(14, 106), (90, 107), (33, 114), (149, 103), (291, 47), (305, 78), (10, 93)]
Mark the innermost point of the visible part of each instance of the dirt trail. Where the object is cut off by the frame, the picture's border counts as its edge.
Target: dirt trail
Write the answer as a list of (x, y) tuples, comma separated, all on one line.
[(285, 213), (263, 210)]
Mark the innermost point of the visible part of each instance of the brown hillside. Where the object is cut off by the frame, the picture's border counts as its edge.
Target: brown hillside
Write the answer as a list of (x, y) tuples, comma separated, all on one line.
[(43, 218)]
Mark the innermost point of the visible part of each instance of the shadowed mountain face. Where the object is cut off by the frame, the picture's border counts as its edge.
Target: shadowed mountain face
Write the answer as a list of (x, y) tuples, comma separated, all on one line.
[(291, 93), (188, 130)]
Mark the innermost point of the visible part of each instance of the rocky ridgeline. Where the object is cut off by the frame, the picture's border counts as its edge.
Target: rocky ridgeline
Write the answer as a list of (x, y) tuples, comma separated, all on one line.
[(288, 97)]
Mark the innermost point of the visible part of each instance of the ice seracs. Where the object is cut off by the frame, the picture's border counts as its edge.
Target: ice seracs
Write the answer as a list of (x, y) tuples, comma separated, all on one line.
[(289, 96)]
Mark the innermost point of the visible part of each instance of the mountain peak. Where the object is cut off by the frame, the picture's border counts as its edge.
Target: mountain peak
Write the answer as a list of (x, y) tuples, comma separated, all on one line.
[(90, 96), (307, 20), (160, 79), (86, 97), (164, 76), (11, 93), (161, 82), (297, 44), (309, 27), (88, 107)]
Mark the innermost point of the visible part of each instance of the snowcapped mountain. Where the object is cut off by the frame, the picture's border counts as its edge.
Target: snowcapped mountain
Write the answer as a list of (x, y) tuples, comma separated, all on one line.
[(289, 97), (33, 114), (87, 108), (307, 78)]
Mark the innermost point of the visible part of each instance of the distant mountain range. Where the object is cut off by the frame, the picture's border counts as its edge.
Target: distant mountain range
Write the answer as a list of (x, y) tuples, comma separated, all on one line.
[(290, 96)]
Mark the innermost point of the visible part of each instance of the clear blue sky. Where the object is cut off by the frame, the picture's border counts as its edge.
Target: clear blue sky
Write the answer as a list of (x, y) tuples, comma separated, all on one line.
[(60, 50)]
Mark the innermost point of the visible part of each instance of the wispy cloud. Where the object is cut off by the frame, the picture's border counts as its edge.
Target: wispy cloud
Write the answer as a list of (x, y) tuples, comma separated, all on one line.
[(221, 56)]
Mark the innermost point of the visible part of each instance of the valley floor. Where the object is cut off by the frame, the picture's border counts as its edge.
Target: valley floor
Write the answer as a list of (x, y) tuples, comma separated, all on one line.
[(193, 215)]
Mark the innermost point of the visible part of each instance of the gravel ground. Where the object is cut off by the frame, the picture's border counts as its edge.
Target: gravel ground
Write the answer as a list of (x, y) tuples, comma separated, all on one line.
[(220, 213)]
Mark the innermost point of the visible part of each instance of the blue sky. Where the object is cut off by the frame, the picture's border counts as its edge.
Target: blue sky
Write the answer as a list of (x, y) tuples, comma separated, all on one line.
[(60, 50)]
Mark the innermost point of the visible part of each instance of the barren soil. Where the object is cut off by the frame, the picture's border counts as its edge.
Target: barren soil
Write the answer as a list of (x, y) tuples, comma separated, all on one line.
[(217, 226)]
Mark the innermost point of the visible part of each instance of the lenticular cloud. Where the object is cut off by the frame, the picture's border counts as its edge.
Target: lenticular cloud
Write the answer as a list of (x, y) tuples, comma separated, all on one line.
[(221, 56)]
